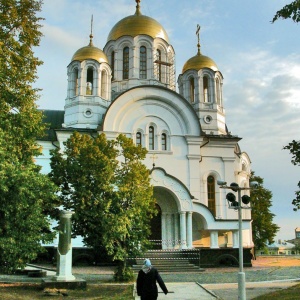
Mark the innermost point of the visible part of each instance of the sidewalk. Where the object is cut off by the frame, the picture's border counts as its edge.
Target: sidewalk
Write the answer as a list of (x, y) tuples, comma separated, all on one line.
[(192, 286), (229, 291), (226, 291), (184, 291)]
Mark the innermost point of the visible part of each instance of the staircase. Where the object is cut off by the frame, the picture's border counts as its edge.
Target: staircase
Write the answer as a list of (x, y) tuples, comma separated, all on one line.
[(170, 261)]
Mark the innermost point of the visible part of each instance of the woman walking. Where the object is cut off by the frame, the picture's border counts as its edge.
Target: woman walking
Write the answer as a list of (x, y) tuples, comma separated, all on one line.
[(146, 282)]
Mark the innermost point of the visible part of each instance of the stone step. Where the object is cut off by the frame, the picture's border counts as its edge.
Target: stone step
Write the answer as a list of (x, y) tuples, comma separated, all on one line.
[(170, 260), (169, 265)]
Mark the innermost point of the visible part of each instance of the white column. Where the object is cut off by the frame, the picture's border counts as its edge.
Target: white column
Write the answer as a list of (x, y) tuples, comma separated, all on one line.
[(235, 237), (97, 86), (163, 230), (172, 232), (183, 230), (151, 66), (158, 141), (189, 230), (118, 66), (176, 231), (205, 192), (134, 63), (81, 79), (214, 239), (168, 231)]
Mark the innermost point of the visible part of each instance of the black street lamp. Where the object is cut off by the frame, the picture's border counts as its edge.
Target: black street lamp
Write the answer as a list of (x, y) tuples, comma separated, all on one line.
[(237, 205)]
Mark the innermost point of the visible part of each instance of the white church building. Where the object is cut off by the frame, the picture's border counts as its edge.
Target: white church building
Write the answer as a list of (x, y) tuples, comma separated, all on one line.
[(129, 87)]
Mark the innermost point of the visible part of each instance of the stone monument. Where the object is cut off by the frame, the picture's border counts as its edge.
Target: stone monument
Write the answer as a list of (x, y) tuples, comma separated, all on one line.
[(64, 277), (64, 250)]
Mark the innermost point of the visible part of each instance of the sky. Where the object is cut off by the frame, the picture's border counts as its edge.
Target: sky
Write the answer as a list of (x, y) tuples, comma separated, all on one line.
[(260, 63)]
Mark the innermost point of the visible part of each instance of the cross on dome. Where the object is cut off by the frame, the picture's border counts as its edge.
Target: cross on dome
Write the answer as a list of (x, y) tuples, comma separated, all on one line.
[(198, 34), (138, 12), (91, 35)]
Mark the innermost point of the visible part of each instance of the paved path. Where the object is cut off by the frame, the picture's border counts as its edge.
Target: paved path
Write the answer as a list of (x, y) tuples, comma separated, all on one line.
[(225, 291), (184, 291), (229, 291), (208, 285)]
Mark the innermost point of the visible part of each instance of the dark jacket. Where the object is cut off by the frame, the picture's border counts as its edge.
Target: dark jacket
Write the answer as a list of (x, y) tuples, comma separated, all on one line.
[(146, 284)]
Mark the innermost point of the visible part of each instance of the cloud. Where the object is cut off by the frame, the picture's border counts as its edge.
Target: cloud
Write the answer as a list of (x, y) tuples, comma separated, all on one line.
[(59, 40), (263, 90), (263, 106)]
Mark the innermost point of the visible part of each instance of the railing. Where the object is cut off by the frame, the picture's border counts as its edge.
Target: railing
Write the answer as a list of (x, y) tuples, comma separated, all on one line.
[(172, 251), (168, 244)]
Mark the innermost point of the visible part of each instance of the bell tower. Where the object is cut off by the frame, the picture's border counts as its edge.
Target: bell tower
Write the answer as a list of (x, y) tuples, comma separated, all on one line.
[(201, 85), (89, 87)]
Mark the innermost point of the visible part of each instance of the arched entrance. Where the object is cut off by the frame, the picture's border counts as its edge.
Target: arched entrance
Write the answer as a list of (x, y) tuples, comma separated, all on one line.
[(165, 225), (155, 225)]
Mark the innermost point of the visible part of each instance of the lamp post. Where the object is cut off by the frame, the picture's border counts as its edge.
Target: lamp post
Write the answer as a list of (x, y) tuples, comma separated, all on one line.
[(241, 275), (237, 205)]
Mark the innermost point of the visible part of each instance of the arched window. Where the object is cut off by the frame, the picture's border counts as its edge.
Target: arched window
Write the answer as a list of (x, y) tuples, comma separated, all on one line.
[(211, 194), (126, 63), (205, 89), (158, 58), (143, 62), (192, 89), (138, 138), (151, 138), (89, 81), (112, 64), (163, 141)]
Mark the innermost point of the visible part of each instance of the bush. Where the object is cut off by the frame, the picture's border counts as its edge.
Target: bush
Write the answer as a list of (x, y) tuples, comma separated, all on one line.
[(124, 274)]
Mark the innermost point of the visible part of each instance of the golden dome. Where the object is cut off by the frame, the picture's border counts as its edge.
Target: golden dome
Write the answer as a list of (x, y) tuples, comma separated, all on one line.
[(90, 52), (137, 24), (198, 62)]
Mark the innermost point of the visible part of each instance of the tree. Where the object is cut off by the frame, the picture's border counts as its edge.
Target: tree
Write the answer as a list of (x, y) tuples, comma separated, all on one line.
[(26, 197), (23, 190), (291, 10), (263, 228), (294, 148), (105, 183)]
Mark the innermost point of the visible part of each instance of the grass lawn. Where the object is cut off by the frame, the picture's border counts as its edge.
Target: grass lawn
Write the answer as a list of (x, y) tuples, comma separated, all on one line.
[(18, 291), (292, 293)]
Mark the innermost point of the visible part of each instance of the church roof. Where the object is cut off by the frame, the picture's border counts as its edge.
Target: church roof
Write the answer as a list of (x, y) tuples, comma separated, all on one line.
[(138, 24), (54, 120), (90, 52), (199, 62)]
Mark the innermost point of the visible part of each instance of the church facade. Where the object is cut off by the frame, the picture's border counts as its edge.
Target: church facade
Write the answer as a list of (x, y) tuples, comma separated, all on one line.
[(129, 87)]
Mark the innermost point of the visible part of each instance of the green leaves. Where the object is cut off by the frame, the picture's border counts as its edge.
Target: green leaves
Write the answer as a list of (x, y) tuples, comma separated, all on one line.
[(291, 10), (26, 196), (108, 187), (263, 228), (294, 148)]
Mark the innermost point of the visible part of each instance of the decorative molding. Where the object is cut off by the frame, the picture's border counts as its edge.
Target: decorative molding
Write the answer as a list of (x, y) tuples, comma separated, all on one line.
[(160, 178)]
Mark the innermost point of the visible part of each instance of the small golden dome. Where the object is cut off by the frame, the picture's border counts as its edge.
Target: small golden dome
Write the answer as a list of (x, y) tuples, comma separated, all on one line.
[(137, 24), (90, 52), (198, 62)]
